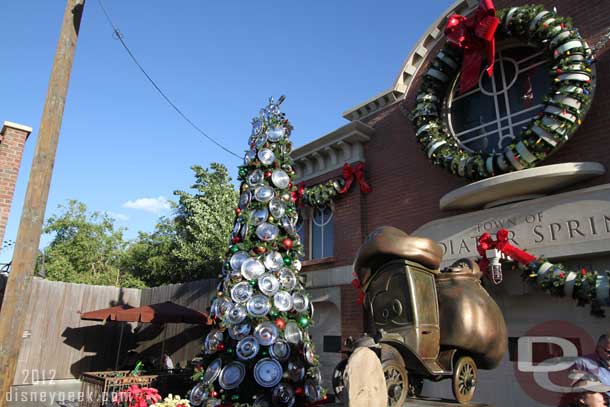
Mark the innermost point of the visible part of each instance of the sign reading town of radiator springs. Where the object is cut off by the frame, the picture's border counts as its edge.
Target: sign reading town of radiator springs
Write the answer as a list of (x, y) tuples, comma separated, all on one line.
[(570, 224)]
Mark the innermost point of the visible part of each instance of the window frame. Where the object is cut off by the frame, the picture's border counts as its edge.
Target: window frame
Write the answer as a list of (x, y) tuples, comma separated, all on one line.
[(503, 130), (307, 215)]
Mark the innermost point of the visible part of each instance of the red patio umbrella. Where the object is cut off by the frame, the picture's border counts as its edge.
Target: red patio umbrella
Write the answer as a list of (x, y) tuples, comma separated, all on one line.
[(165, 312), (162, 313), (105, 313), (108, 314)]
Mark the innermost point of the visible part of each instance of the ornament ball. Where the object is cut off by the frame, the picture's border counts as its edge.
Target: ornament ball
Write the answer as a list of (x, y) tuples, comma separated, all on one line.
[(287, 243), (280, 323), (260, 249)]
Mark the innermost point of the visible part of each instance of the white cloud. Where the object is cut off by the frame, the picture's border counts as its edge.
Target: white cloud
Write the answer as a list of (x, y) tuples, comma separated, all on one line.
[(152, 205), (118, 216)]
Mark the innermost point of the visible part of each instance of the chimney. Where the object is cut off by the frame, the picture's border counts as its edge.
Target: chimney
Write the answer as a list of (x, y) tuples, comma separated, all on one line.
[(12, 140)]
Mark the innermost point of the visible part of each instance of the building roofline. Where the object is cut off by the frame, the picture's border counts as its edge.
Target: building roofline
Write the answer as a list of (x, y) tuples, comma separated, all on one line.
[(411, 65)]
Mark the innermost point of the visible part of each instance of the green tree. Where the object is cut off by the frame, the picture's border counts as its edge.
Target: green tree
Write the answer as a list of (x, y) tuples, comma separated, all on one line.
[(86, 248), (191, 244), (151, 257), (203, 221)]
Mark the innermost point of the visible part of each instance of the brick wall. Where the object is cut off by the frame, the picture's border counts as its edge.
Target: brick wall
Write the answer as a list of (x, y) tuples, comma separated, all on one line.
[(12, 141), (407, 187), (352, 323)]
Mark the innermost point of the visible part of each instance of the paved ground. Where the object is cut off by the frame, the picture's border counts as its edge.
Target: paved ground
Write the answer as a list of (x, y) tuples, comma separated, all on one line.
[(440, 403), (55, 394), (45, 394), (429, 402)]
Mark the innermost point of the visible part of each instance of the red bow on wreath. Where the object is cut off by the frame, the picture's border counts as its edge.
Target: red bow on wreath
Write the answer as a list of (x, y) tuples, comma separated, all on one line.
[(486, 242), (349, 173), (475, 35)]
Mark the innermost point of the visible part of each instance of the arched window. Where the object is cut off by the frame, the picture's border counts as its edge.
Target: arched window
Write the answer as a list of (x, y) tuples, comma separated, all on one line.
[(322, 233), (315, 228)]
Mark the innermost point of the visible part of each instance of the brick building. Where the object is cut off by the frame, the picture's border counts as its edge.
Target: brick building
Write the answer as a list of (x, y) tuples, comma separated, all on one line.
[(570, 217), (12, 140)]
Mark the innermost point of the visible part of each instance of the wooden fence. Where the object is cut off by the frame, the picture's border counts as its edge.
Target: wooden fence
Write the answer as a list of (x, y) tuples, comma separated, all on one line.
[(56, 343)]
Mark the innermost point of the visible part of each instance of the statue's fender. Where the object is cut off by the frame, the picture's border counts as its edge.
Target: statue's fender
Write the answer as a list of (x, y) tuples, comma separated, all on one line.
[(470, 320)]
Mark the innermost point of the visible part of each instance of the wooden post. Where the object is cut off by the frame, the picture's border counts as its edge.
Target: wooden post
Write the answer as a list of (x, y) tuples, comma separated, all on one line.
[(16, 295)]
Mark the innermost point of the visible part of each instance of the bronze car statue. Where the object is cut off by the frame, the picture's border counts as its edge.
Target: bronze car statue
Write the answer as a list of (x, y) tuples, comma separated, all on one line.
[(425, 323)]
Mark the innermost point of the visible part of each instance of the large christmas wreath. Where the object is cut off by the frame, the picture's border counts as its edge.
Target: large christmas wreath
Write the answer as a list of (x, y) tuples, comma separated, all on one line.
[(565, 105)]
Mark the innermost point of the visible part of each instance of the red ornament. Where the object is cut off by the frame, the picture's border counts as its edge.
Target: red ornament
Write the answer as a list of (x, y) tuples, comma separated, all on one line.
[(299, 391), (290, 185), (280, 323), (214, 393), (294, 196), (267, 174), (237, 211), (220, 347), (236, 239), (260, 249), (287, 243), (583, 271)]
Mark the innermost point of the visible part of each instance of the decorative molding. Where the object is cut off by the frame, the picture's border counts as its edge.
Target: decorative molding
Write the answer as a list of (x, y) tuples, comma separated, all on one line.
[(411, 65), (331, 151)]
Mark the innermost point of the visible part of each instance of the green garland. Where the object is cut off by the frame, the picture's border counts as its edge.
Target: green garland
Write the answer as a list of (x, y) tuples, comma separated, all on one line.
[(323, 194), (566, 105), (586, 287)]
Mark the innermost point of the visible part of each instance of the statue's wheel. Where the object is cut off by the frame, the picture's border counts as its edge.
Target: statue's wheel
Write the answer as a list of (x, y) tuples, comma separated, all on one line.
[(396, 378), (464, 379), (338, 381)]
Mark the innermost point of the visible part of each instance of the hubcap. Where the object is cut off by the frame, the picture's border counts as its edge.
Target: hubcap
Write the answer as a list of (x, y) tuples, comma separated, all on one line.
[(394, 383), (466, 379)]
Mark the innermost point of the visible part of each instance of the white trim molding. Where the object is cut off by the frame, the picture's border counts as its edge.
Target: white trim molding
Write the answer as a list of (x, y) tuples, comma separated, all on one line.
[(411, 65), (16, 126), (331, 151)]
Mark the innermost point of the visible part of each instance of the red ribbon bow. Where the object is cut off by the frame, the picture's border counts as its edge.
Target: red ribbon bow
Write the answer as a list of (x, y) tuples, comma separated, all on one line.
[(357, 286), (474, 35), (486, 242), (349, 173), (298, 194)]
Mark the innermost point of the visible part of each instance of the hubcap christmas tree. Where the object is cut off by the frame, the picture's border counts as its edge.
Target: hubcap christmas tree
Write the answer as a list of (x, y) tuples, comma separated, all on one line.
[(260, 352)]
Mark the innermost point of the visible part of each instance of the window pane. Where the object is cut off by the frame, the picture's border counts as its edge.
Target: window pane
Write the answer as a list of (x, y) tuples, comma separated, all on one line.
[(472, 111), (327, 250), (316, 241), (321, 233)]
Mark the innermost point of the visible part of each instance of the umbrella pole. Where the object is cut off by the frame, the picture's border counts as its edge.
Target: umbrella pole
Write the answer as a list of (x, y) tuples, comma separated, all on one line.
[(118, 352), (163, 343)]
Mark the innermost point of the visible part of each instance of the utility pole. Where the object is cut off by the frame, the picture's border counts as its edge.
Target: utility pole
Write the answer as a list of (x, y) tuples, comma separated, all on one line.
[(17, 292)]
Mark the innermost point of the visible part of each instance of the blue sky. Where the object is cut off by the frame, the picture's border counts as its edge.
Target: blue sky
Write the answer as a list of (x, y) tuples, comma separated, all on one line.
[(219, 61)]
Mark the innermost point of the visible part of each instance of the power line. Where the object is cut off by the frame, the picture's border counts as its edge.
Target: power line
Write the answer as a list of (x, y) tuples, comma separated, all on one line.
[(117, 35)]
